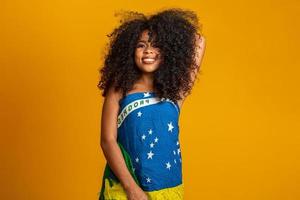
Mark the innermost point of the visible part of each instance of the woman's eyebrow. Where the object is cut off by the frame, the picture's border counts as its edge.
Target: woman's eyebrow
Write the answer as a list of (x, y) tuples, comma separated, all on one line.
[(143, 41)]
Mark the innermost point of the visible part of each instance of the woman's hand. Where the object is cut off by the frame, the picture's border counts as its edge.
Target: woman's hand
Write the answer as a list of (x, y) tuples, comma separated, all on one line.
[(200, 44), (199, 49), (136, 193)]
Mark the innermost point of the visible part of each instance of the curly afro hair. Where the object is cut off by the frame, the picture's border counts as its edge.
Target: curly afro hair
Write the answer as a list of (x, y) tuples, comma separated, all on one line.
[(173, 32)]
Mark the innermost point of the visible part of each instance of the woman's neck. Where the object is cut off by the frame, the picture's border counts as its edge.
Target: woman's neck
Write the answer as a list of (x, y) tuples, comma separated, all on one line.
[(146, 80)]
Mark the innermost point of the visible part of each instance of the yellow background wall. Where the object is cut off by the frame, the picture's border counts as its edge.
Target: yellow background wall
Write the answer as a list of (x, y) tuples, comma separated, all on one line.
[(239, 127)]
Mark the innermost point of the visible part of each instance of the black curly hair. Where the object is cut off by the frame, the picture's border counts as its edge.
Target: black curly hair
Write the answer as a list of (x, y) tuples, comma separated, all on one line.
[(173, 32)]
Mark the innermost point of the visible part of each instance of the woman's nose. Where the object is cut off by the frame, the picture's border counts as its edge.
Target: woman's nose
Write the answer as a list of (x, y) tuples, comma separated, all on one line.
[(149, 49)]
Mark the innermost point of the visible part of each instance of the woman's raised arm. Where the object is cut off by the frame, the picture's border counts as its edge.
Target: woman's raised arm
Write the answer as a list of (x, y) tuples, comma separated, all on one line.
[(200, 49)]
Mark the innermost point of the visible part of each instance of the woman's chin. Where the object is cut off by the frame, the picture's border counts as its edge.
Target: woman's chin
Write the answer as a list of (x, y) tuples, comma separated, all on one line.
[(149, 68)]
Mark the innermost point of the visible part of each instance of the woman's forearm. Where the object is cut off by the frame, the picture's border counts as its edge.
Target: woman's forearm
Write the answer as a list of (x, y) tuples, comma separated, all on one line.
[(115, 160), (200, 49), (198, 56)]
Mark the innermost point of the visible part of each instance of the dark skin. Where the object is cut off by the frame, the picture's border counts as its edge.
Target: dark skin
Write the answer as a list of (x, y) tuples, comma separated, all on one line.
[(110, 110)]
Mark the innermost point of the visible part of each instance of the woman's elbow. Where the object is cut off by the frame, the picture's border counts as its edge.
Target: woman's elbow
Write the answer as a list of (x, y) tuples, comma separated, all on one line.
[(105, 143)]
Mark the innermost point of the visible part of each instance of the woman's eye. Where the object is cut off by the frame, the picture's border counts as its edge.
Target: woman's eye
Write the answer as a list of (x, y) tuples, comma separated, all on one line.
[(139, 45), (155, 46)]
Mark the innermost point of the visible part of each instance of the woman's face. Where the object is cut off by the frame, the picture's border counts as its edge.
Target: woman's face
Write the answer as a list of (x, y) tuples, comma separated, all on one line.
[(147, 57)]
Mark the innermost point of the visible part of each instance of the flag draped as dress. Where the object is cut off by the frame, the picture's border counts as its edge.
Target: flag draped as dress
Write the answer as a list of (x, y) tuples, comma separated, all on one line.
[(148, 136)]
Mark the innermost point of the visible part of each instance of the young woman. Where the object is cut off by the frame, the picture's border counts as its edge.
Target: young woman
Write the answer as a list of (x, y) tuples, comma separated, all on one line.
[(150, 68)]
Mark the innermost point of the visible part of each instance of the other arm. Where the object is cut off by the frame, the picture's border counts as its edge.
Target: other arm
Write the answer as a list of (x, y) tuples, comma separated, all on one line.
[(200, 49), (112, 151)]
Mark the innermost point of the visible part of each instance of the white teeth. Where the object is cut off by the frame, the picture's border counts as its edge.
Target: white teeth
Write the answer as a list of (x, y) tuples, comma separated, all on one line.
[(149, 59)]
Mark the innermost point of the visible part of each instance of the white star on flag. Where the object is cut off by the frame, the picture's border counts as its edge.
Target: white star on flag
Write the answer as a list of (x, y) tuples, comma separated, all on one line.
[(168, 165), (150, 154), (146, 94), (178, 151), (174, 152), (156, 139), (174, 160), (177, 143), (170, 126), (143, 137), (139, 113), (151, 145), (137, 159), (148, 180), (150, 132)]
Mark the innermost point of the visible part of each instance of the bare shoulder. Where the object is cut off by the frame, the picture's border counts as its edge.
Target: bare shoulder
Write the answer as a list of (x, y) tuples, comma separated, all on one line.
[(111, 102), (180, 101), (109, 116), (113, 96), (110, 106)]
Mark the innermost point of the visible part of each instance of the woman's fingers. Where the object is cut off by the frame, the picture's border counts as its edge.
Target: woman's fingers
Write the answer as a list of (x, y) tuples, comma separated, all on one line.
[(202, 41), (197, 35)]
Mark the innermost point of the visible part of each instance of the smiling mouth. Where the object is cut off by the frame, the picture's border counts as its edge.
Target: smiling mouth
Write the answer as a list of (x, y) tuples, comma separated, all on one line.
[(148, 60)]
